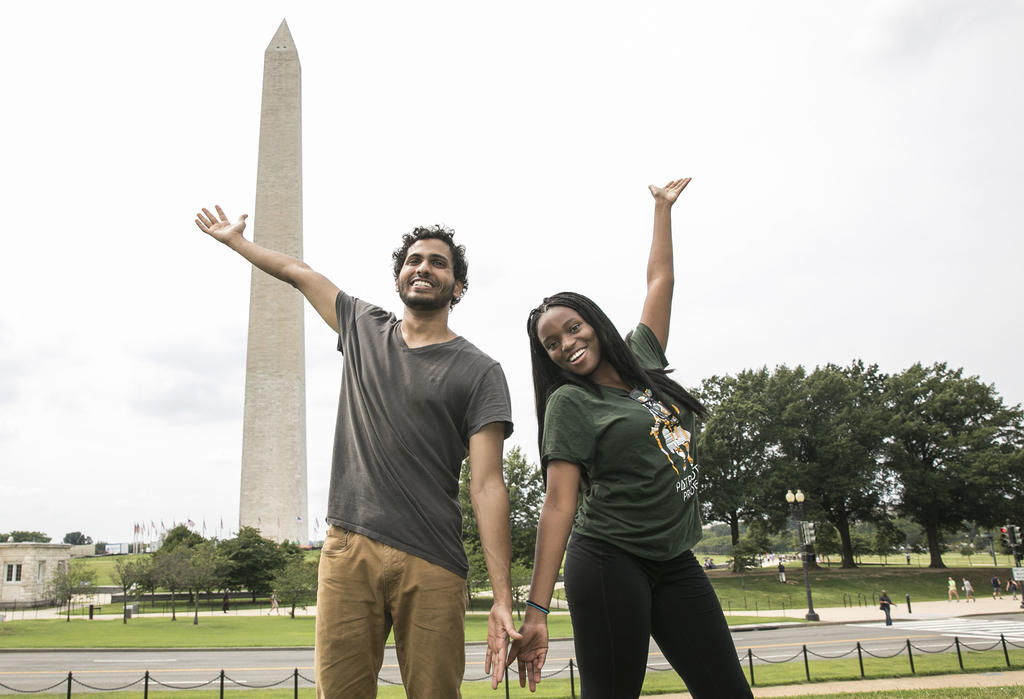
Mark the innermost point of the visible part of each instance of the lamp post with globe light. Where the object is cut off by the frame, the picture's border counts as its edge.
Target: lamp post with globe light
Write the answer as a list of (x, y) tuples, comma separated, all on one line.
[(796, 508)]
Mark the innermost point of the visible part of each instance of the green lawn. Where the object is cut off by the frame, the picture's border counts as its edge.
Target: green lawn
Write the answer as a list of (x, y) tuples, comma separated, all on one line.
[(834, 587), (216, 631)]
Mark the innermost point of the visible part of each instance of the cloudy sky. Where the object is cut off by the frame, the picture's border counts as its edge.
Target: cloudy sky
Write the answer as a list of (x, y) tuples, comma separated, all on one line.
[(857, 176)]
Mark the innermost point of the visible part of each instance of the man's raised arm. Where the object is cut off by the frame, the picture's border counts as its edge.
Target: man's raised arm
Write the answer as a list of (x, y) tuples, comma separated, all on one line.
[(318, 289)]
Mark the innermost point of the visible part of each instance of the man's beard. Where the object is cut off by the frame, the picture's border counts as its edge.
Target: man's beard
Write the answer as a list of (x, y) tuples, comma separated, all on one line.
[(426, 303)]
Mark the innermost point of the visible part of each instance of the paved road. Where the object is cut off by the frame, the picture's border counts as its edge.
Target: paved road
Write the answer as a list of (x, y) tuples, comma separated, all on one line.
[(262, 667)]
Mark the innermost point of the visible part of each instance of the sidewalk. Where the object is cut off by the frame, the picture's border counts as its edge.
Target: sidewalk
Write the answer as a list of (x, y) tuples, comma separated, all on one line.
[(920, 611)]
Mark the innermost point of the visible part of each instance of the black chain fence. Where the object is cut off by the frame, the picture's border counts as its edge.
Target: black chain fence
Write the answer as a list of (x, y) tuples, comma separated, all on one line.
[(297, 679)]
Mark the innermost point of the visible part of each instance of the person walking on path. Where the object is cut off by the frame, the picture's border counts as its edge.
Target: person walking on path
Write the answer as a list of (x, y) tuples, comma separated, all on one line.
[(225, 603), (952, 589), (997, 587), (885, 603), (273, 604), (1012, 586), (782, 572), (416, 400), (968, 591), (615, 440)]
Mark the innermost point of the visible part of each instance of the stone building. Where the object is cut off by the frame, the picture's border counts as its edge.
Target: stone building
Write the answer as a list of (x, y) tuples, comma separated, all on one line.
[(26, 568)]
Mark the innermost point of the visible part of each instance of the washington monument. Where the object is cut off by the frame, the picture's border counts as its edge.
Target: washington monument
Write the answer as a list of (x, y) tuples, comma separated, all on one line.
[(273, 492)]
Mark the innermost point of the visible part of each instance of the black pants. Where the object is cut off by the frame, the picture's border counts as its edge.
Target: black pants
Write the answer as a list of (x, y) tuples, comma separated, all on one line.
[(618, 602)]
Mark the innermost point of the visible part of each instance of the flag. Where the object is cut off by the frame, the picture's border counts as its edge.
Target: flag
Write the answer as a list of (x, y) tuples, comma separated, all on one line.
[(191, 523)]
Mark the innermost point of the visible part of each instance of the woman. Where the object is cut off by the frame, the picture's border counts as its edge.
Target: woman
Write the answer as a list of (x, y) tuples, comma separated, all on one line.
[(615, 431)]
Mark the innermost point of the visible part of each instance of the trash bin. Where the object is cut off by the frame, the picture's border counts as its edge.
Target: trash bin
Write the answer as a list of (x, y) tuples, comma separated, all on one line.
[(127, 611)]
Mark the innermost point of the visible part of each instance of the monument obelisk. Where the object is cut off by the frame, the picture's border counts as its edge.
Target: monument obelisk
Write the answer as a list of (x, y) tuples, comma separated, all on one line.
[(273, 493)]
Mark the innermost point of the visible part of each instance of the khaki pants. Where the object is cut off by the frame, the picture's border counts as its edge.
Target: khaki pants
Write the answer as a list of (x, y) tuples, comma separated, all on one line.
[(364, 589)]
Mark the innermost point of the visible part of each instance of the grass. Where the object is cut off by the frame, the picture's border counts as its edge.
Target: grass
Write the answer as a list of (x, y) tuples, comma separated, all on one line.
[(216, 631), (761, 590)]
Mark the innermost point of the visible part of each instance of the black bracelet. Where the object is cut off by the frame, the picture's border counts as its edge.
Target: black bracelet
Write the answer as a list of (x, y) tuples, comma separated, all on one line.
[(537, 607)]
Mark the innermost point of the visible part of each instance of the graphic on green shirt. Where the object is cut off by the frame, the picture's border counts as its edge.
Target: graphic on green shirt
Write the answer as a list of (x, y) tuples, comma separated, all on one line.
[(667, 431)]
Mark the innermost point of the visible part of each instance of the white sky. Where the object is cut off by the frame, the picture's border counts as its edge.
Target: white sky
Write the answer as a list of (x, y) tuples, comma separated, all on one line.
[(857, 185)]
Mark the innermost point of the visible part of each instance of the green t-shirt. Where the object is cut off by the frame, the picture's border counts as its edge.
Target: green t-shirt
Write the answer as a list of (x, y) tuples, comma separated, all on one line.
[(638, 489)]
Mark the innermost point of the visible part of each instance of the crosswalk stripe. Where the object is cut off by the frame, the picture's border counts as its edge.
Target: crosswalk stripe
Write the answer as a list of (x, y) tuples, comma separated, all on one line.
[(976, 628)]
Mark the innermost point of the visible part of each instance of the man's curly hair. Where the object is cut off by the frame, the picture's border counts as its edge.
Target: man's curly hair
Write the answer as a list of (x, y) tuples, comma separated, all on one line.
[(459, 264)]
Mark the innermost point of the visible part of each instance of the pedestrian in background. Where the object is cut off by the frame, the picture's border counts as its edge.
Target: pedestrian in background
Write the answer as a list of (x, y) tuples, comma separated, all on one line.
[(885, 603)]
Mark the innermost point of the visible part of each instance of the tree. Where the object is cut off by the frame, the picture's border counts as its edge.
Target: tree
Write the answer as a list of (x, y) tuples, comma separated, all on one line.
[(833, 431), (70, 580), (207, 571), (477, 578), (525, 495), (171, 571), (253, 561), (525, 499), (130, 571), (296, 583), (744, 554), (181, 536), (520, 576), (826, 540), (956, 450), (736, 448), (77, 538), (19, 536), (888, 538)]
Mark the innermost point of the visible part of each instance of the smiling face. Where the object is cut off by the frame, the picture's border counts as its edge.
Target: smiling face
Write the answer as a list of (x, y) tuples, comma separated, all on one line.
[(426, 281), (570, 341)]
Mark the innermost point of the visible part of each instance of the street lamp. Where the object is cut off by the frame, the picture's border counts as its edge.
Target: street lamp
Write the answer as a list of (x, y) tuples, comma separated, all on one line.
[(796, 510)]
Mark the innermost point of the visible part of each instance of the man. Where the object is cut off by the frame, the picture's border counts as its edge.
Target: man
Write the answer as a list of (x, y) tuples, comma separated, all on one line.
[(782, 572), (415, 399), (885, 603)]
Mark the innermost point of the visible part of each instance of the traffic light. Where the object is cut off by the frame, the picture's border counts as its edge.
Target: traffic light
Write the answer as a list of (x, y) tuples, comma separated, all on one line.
[(1004, 535), (1015, 535), (809, 532)]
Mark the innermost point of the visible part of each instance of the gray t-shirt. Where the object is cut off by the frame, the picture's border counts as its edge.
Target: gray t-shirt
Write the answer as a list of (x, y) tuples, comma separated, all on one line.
[(405, 417)]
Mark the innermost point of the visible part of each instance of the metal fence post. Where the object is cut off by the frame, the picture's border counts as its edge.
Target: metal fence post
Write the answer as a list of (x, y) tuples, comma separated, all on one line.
[(296, 683), (69, 684), (572, 681), (506, 683), (221, 684), (910, 656), (959, 657), (1006, 655), (860, 659), (750, 662), (807, 666)]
